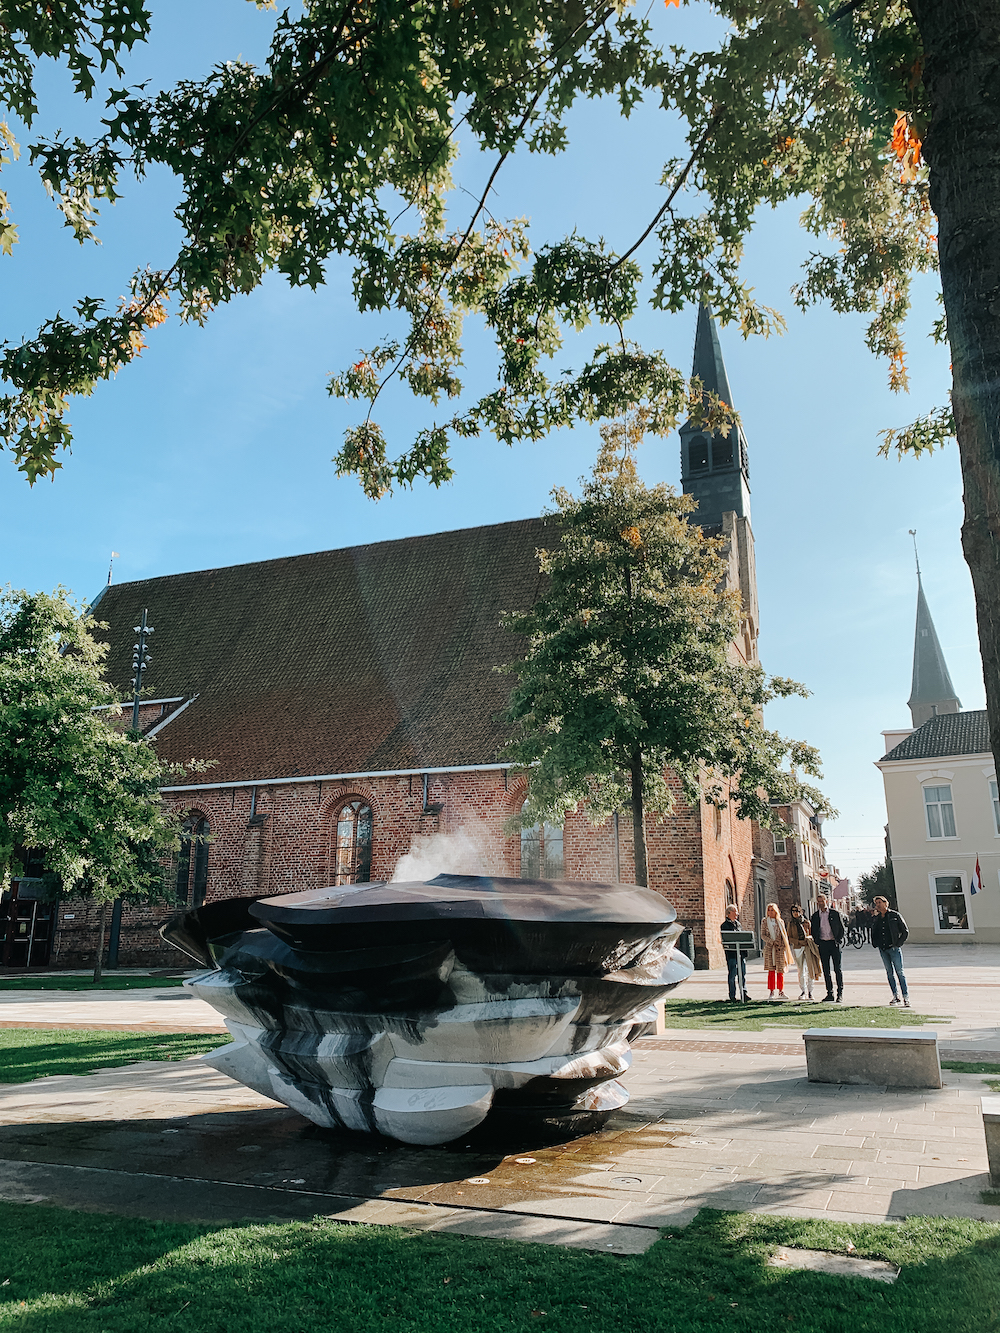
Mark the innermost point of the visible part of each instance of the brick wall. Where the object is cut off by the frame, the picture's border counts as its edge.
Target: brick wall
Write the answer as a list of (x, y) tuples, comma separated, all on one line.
[(283, 841)]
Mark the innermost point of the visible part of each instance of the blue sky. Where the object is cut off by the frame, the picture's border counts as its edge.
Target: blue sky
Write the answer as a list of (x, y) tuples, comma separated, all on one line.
[(215, 447)]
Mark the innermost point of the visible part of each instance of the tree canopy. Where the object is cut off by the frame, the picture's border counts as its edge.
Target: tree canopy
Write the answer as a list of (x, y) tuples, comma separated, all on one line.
[(630, 668), (880, 115), (71, 784), (350, 129), (879, 882)]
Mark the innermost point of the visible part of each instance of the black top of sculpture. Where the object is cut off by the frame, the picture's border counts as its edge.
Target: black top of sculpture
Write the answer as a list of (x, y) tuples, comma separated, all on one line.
[(493, 924), (457, 897)]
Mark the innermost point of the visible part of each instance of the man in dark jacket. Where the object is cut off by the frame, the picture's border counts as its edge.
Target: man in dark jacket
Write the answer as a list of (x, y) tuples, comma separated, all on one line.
[(736, 962), (889, 932), (828, 931)]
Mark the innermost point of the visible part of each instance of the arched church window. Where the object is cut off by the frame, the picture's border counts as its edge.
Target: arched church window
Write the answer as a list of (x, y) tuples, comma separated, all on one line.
[(542, 852), (722, 451), (353, 849), (698, 454), (191, 885)]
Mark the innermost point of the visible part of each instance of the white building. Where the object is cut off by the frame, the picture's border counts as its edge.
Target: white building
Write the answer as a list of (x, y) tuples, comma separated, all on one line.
[(944, 812)]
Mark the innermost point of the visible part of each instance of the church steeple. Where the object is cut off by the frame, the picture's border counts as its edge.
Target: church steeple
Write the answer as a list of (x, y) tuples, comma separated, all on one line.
[(714, 467), (932, 692)]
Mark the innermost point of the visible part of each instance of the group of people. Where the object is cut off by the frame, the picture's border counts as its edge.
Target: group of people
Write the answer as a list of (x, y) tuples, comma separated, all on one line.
[(814, 946)]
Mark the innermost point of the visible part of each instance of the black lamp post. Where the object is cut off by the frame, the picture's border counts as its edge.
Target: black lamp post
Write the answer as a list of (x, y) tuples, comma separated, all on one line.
[(140, 660)]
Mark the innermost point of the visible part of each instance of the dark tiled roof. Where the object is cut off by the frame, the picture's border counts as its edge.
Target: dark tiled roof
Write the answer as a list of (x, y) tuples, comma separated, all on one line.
[(365, 659), (951, 733)]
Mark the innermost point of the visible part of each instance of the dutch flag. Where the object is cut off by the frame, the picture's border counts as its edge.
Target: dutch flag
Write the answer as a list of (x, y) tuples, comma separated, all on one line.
[(977, 878)]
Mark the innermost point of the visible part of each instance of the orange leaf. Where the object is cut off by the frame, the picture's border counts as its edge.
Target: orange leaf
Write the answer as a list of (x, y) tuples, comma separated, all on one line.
[(906, 144)]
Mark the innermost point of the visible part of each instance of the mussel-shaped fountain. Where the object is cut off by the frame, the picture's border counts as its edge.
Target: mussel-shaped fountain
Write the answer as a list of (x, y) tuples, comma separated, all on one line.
[(415, 1010)]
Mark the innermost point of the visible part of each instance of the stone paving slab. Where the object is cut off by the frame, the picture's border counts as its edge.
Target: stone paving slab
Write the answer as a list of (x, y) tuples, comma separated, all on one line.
[(169, 1009)]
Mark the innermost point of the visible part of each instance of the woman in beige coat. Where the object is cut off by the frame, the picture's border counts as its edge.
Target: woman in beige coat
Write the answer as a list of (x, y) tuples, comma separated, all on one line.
[(804, 952), (777, 954)]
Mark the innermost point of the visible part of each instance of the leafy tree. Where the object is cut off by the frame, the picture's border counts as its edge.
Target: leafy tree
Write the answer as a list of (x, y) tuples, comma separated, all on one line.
[(879, 114), (71, 785), (630, 669), (879, 882)]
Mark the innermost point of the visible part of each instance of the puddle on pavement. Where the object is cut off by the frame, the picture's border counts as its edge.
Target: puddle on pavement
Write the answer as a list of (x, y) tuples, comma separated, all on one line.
[(278, 1149)]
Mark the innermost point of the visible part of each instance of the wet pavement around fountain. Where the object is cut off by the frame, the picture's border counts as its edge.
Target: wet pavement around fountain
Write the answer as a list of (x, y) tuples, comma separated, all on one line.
[(718, 1118)]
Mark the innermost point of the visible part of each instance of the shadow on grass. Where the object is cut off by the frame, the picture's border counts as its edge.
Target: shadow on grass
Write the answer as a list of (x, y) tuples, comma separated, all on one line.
[(758, 1014), (79, 1273), (30, 1053)]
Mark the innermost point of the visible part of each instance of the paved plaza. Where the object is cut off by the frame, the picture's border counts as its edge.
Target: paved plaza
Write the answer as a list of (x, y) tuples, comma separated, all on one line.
[(719, 1118)]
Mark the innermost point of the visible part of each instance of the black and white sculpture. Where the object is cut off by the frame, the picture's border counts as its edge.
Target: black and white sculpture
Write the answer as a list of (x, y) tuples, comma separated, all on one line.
[(413, 1009)]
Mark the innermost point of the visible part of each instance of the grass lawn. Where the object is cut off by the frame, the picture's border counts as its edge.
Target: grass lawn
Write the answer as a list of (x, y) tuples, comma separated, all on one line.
[(978, 1067), (27, 1053), (759, 1014), (60, 981), (74, 1272)]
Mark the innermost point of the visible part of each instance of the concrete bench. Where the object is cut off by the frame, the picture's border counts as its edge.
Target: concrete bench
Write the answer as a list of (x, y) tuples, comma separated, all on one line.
[(893, 1057), (991, 1124)]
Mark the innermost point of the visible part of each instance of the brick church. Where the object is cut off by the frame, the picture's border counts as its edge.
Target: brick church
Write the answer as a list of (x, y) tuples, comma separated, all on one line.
[(351, 706)]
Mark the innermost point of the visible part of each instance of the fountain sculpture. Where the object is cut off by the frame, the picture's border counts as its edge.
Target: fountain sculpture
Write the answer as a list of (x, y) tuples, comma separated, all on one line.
[(416, 1009)]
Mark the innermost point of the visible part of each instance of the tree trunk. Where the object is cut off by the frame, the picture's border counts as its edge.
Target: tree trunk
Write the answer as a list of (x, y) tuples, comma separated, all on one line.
[(961, 40), (102, 916), (638, 820)]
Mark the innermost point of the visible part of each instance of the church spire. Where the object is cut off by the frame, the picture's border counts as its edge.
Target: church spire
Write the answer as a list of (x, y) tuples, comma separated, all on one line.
[(708, 363), (932, 692), (714, 467)]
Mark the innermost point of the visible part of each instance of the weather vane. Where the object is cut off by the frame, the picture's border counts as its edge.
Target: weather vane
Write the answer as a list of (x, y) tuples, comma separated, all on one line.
[(913, 534)]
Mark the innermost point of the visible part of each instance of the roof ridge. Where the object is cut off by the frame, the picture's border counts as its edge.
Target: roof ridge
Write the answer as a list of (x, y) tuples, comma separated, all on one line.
[(330, 550)]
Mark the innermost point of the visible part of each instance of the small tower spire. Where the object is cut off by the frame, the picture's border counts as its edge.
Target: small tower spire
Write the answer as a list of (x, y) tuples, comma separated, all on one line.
[(708, 363), (714, 466), (932, 692)]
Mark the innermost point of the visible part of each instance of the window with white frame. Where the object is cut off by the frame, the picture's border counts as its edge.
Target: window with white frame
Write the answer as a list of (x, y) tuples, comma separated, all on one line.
[(951, 911), (995, 798), (940, 812), (779, 846)]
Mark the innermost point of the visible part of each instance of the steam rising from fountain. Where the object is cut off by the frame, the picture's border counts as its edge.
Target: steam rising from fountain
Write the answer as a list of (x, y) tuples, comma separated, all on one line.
[(464, 852)]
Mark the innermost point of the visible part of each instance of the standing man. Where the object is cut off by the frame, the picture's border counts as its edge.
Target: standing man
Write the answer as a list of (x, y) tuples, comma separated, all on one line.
[(735, 961), (828, 931), (889, 932)]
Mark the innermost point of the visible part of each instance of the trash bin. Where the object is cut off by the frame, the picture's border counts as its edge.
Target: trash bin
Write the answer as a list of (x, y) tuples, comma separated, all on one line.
[(685, 942)]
